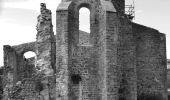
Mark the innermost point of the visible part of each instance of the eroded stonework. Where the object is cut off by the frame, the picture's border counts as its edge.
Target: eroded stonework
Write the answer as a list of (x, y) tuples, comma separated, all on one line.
[(117, 60)]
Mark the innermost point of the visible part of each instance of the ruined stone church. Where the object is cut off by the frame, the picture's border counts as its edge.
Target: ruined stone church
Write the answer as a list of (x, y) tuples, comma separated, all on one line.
[(117, 60)]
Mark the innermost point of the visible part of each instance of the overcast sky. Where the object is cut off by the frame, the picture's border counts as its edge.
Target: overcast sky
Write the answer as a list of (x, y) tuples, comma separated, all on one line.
[(18, 19)]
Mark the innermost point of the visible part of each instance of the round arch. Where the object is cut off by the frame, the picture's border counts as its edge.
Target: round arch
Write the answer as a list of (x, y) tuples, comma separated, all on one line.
[(29, 54)]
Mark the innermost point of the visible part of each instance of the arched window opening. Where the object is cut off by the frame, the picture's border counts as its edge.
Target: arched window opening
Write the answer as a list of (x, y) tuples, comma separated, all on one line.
[(84, 19), (30, 67), (29, 54), (84, 26)]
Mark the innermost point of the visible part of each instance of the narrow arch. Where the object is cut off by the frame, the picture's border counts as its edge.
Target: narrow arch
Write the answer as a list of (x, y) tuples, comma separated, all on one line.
[(84, 26), (84, 19)]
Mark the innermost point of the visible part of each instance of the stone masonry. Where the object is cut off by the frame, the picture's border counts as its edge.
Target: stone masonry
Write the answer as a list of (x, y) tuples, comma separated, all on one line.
[(117, 60)]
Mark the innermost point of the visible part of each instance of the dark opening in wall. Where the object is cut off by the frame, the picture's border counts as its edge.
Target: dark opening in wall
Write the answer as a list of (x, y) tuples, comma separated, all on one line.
[(76, 78), (122, 98), (168, 97), (150, 97)]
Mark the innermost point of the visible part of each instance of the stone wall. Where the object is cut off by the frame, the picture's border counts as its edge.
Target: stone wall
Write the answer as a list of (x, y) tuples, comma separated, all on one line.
[(70, 52), (168, 78), (108, 34), (118, 60), (119, 5), (126, 59), (168, 74), (12, 62), (1, 82), (151, 63), (168, 63)]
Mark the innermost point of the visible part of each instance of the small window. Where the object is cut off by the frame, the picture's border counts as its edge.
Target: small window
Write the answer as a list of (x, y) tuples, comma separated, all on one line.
[(29, 54), (76, 78), (84, 26), (84, 19)]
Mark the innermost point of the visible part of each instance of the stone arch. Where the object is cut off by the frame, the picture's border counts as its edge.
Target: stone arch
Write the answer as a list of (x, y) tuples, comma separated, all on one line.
[(86, 5), (84, 19), (84, 26), (73, 23), (23, 48), (28, 50), (97, 10)]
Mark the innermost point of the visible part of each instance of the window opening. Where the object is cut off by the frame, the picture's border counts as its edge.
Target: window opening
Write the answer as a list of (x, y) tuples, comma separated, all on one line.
[(84, 19), (84, 26), (29, 54), (76, 78)]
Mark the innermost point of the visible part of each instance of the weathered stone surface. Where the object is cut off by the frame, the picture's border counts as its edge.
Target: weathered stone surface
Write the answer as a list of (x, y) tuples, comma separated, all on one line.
[(151, 63), (117, 60), (168, 63), (45, 46), (45, 40), (1, 82), (23, 48), (168, 75)]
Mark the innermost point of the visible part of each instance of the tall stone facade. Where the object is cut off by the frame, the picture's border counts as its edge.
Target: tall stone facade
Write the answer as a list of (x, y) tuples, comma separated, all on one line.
[(117, 60)]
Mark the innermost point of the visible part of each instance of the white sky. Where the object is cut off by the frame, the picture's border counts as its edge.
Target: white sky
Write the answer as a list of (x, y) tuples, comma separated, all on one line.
[(18, 19)]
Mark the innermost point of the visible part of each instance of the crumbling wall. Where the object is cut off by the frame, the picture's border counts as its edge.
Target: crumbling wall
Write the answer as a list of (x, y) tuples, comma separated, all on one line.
[(118, 60), (17, 69), (11, 73), (46, 51), (30, 68), (151, 63), (23, 63), (10, 63)]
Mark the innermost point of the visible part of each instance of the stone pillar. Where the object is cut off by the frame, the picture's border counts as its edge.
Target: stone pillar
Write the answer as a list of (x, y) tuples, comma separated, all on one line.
[(45, 44), (10, 72), (62, 52)]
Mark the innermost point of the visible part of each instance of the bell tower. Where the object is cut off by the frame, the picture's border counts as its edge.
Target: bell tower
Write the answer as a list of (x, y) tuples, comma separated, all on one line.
[(89, 72)]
